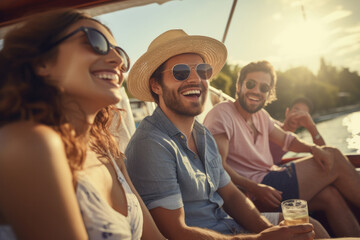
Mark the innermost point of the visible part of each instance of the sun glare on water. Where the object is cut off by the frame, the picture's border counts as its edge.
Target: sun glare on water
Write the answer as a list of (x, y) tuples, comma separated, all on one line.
[(352, 122)]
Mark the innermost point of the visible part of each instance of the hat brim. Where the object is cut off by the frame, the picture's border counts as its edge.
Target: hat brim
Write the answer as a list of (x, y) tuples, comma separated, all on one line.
[(212, 51)]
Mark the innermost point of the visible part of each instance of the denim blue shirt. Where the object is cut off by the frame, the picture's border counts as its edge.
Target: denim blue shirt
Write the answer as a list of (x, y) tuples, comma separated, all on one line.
[(167, 174)]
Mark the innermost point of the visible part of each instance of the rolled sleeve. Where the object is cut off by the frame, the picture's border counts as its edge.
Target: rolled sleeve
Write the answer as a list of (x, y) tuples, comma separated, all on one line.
[(152, 169), (171, 202), (288, 140), (224, 178)]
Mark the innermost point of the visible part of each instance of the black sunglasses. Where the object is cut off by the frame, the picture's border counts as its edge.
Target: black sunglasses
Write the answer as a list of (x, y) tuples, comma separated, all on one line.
[(99, 43), (250, 84), (181, 72)]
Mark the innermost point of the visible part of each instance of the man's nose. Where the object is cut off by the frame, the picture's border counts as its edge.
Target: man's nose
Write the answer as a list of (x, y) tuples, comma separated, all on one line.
[(193, 77)]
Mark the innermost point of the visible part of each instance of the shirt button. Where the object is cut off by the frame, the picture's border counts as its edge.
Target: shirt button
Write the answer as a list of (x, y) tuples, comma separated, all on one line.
[(182, 136)]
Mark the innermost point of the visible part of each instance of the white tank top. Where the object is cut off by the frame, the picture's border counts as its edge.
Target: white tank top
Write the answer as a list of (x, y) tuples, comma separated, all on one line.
[(100, 219)]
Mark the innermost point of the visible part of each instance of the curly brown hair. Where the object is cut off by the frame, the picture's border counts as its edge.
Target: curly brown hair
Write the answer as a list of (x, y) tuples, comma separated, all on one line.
[(25, 96)]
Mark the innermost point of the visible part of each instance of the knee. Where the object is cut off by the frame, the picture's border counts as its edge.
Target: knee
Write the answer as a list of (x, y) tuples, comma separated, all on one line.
[(333, 151), (338, 157), (329, 196)]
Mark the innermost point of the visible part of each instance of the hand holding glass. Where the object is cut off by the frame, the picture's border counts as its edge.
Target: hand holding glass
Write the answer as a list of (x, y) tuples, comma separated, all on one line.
[(295, 211)]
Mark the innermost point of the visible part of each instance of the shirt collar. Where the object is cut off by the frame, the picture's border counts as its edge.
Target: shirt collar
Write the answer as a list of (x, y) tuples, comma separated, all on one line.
[(161, 121)]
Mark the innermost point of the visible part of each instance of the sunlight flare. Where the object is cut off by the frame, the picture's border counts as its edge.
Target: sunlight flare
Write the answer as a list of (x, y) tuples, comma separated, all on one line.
[(302, 40)]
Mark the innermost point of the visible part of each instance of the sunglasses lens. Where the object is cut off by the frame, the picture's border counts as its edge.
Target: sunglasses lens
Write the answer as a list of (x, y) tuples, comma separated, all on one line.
[(204, 71), (98, 41), (250, 84), (264, 88), (181, 72), (125, 58)]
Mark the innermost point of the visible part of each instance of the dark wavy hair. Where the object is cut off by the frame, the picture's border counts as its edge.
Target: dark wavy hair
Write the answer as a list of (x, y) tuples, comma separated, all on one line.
[(260, 66), (302, 100), (25, 96)]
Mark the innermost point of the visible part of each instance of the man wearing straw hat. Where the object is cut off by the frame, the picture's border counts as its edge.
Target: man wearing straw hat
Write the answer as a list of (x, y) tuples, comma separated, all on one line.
[(173, 160)]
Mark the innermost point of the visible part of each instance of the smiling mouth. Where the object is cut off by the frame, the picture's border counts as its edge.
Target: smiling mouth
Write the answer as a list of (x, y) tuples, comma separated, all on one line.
[(192, 93), (253, 98), (112, 78)]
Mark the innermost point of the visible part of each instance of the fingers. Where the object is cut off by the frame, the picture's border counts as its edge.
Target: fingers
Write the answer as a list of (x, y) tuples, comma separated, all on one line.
[(274, 202), (321, 163), (274, 193), (303, 231), (302, 228), (278, 195), (322, 158), (269, 201), (282, 223), (274, 198)]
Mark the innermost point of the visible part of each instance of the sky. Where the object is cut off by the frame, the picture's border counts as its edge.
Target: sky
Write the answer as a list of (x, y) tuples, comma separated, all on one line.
[(288, 33)]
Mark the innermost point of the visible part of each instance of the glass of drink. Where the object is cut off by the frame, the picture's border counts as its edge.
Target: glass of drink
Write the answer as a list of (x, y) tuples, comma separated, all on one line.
[(295, 211)]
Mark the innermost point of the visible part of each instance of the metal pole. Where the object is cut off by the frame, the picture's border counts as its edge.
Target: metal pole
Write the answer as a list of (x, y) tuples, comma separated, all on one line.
[(229, 20), (303, 10)]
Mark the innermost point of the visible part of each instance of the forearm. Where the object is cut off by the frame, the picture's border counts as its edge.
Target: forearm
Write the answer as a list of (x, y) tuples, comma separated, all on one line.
[(240, 181), (172, 225), (317, 138), (195, 233), (249, 217), (298, 145), (150, 230), (242, 209)]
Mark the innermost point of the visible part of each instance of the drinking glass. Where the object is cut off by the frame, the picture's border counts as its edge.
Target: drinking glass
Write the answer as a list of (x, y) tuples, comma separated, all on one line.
[(295, 211)]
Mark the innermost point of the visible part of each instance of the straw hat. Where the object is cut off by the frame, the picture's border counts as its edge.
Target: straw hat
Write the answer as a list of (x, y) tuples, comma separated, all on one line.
[(167, 45)]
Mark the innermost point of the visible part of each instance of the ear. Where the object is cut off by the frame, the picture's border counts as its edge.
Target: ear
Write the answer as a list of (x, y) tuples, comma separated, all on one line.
[(238, 87), (155, 86), (43, 69)]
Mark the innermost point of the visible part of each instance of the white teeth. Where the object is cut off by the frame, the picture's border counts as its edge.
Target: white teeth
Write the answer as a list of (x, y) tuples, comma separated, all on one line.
[(191, 92), (255, 99), (108, 76)]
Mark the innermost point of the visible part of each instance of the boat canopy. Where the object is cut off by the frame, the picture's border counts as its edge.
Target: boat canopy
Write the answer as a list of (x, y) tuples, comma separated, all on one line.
[(12, 12)]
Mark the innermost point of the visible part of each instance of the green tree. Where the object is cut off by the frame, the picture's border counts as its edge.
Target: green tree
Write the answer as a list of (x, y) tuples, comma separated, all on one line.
[(226, 79)]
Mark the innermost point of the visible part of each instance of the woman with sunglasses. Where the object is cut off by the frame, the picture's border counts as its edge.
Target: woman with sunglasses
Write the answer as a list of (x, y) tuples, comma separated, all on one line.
[(62, 175)]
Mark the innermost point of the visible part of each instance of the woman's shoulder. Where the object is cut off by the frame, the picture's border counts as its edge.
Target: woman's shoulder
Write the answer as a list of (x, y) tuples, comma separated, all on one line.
[(23, 130), (21, 140)]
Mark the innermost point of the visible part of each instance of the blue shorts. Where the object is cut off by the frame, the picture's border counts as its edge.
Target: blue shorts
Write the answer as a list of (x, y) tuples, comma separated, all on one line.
[(284, 181)]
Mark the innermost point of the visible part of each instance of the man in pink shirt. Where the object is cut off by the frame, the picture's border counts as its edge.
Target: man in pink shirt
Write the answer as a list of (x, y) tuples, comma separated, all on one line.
[(243, 129)]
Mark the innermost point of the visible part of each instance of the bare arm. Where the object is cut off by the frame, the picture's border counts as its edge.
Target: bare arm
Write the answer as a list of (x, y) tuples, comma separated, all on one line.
[(172, 225), (239, 207), (304, 119), (37, 196), (322, 157), (317, 138), (266, 195), (278, 135), (150, 230)]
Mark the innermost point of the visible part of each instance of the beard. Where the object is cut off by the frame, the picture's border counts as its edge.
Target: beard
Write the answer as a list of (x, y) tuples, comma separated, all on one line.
[(248, 108), (173, 101)]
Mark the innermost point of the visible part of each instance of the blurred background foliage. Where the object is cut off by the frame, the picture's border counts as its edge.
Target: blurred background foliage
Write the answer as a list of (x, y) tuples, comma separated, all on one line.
[(329, 90)]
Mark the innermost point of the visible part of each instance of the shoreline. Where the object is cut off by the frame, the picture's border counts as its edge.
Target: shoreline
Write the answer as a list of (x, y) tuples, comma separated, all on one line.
[(336, 112)]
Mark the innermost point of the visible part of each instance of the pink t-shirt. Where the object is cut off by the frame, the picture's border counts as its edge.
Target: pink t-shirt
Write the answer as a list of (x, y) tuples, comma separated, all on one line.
[(248, 158), (276, 151)]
